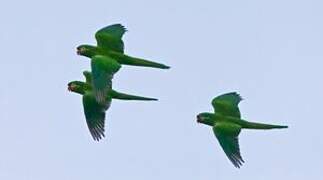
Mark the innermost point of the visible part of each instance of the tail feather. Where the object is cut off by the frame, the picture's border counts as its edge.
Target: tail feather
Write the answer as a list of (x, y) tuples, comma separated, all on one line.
[(252, 125), (128, 60), (123, 96)]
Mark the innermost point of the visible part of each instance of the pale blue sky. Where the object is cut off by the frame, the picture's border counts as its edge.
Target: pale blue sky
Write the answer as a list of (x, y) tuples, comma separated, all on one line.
[(268, 51)]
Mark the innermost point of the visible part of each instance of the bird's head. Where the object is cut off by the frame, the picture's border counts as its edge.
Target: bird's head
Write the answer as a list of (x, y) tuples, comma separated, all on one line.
[(86, 50), (206, 118), (77, 87)]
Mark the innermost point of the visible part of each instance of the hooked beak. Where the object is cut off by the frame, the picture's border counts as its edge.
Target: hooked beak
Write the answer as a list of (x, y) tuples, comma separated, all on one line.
[(199, 119), (69, 88), (78, 52)]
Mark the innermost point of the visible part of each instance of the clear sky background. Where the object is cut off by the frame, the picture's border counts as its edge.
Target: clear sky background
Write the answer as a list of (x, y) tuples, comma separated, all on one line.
[(269, 51)]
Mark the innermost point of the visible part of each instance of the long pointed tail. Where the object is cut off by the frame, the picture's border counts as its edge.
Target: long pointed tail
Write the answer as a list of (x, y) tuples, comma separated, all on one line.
[(123, 96), (252, 125), (128, 60)]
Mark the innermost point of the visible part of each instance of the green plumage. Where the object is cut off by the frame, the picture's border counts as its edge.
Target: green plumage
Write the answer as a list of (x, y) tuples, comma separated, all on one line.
[(103, 69), (110, 38), (106, 59), (226, 123), (95, 112), (94, 115), (109, 43)]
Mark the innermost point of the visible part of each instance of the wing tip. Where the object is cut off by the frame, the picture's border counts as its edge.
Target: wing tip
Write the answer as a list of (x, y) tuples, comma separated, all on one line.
[(97, 133), (237, 95), (236, 160), (121, 26)]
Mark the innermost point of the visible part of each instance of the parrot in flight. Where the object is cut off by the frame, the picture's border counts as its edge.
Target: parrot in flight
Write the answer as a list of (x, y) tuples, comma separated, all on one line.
[(103, 70), (109, 43), (226, 123), (95, 112)]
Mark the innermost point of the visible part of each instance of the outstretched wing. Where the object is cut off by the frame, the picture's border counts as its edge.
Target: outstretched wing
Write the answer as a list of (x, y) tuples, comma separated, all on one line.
[(103, 69), (110, 37), (95, 116), (227, 135), (227, 104)]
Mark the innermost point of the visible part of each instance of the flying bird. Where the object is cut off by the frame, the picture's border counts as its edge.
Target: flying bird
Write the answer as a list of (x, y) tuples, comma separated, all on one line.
[(226, 123), (103, 69), (110, 43), (95, 112)]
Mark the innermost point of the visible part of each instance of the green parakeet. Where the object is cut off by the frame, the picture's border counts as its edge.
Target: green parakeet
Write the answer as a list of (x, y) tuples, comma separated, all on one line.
[(95, 112), (226, 123), (103, 69), (109, 43)]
